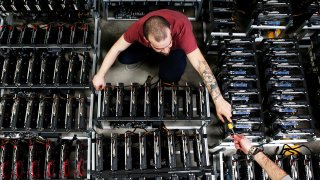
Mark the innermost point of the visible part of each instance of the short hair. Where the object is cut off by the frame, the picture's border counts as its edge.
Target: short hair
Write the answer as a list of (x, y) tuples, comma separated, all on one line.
[(156, 26)]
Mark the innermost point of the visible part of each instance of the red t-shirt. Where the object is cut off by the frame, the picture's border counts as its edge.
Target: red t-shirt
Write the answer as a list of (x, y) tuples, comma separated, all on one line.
[(181, 30)]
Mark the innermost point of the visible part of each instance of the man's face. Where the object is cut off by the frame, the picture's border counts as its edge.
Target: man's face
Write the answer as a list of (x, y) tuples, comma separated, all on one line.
[(163, 46)]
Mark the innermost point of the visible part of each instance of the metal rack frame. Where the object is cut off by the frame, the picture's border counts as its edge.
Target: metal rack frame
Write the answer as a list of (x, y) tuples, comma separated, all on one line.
[(196, 5), (94, 49)]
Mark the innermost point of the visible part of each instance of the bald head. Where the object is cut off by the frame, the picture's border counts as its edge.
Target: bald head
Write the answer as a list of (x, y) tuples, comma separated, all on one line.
[(157, 27)]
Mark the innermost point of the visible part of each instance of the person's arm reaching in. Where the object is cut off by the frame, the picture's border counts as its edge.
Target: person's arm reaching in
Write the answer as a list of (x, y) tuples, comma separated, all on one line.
[(275, 172), (197, 60), (98, 80)]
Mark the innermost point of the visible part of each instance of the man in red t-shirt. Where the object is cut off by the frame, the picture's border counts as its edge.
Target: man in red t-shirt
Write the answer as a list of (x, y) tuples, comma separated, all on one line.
[(164, 35)]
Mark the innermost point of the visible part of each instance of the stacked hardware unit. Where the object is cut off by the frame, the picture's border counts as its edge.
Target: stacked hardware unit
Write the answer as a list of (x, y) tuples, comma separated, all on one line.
[(221, 23), (273, 17), (23, 68), (305, 17), (277, 18), (152, 102), (49, 9), (237, 166), (45, 34), (231, 17), (286, 97), (39, 158), (314, 53), (313, 22), (37, 112), (133, 10), (240, 85), (221, 16), (313, 76), (159, 153)]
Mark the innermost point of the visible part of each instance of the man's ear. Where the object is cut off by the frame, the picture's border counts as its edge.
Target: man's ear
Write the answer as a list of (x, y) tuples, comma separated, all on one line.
[(146, 39)]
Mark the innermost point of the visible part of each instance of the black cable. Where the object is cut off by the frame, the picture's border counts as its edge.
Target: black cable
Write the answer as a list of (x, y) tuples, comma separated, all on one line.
[(302, 145), (281, 152), (289, 149), (131, 132)]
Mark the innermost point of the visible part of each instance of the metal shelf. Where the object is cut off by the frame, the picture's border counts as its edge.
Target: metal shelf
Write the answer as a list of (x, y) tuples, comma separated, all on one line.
[(152, 173), (61, 86), (154, 119), (37, 131), (116, 19), (191, 8), (156, 1), (46, 46)]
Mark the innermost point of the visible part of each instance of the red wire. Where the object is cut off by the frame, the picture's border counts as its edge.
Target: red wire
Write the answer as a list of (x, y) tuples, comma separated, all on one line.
[(80, 168)]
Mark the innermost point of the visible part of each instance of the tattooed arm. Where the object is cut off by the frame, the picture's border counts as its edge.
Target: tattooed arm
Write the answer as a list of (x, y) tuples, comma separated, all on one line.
[(197, 60)]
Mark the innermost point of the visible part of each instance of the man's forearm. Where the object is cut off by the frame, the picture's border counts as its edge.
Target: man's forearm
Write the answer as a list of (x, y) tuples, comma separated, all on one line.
[(272, 169), (112, 55), (209, 79), (200, 64), (223, 108), (107, 62)]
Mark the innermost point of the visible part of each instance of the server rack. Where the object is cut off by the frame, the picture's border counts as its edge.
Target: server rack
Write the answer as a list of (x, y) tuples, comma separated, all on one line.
[(46, 64)]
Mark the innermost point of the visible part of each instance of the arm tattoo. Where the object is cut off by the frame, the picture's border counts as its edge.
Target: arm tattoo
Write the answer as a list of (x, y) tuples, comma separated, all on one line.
[(214, 85), (209, 80)]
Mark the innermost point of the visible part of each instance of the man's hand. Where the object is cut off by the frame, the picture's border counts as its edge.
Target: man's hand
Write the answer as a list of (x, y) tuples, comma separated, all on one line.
[(98, 82), (223, 109), (242, 143)]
